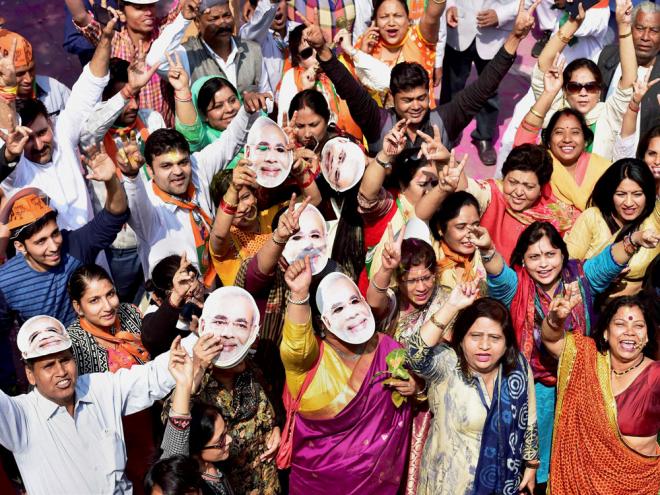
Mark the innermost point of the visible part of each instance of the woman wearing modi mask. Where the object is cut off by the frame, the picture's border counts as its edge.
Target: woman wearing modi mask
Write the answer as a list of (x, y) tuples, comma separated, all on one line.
[(346, 431), (232, 385)]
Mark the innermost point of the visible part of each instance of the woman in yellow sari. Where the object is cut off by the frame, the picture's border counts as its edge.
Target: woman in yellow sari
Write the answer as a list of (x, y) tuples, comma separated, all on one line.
[(623, 201), (608, 415)]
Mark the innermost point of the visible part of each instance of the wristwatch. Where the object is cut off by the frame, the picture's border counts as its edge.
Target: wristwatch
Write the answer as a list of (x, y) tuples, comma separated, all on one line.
[(385, 165)]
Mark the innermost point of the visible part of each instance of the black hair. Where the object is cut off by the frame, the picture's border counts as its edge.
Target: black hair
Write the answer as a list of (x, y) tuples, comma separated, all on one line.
[(586, 131), (532, 234), (21, 235), (176, 475), (202, 426), (82, 276), (350, 250), (30, 109), (406, 76), (404, 168), (646, 139), (313, 100), (295, 38), (219, 185), (118, 69), (450, 209), (530, 158), (160, 282), (415, 252), (583, 63), (378, 3), (492, 309), (608, 314), (208, 90), (163, 140), (602, 196)]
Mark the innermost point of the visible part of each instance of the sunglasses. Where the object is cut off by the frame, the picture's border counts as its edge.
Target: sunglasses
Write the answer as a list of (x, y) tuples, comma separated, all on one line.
[(306, 53), (575, 87)]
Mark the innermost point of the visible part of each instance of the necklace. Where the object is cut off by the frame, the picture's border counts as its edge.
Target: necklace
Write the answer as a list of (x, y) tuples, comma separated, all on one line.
[(627, 370), (350, 357)]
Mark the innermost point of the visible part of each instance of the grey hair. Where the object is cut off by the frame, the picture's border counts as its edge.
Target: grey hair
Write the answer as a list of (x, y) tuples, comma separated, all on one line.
[(646, 7)]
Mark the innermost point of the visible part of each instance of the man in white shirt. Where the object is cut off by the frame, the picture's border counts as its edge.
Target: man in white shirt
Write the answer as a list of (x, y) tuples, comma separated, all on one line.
[(175, 209), (214, 51), (67, 434)]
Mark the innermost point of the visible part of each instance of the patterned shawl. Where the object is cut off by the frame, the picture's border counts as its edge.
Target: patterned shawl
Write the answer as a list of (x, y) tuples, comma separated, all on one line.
[(500, 465), (528, 309)]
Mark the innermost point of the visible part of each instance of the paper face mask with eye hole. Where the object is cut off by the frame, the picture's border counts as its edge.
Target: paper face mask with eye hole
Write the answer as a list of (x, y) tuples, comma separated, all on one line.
[(343, 310), (342, 163), (266, 150), (311, 240), (231, 313)]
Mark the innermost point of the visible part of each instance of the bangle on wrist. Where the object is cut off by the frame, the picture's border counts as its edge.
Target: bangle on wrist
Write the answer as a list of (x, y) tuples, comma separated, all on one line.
[(375, 286), (384, 164), (564, 39), (185, 99), (629, 33), (437, 322), (488, 255), (536, 114), (299, 302), (533, 464), (228, 208), (277, 241), (634, 107)]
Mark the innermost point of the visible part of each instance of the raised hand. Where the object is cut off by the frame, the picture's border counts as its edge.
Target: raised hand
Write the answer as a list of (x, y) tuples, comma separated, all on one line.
[(15, 140), (303, 159), (312, 33), (182, 282), (524, 21), (395, 140), (253, 102), (102, 167), (289, 127), (553, 79), (432, 148), (180, 364), (206, 349), (298, 277), (108, 31), (480, 237), (289, 222), (464, 294), (243, 176), (370, 38), (623, 12), (190, 9), (129, 157), (641, 87), (648, 238), (449, 176), (7, 67), (139, 73), (177, 75), (562, 305), (343, 39), (392, 249)]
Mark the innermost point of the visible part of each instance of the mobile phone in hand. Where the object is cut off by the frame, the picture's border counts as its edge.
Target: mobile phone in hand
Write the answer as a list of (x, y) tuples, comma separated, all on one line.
[(103, 16)]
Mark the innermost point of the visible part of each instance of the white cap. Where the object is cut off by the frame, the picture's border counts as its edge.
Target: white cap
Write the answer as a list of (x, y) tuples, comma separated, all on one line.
[(141, 2), (41, 336), (418, 229)]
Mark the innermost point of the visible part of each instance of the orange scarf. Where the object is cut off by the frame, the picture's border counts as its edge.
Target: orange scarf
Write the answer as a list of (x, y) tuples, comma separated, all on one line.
[(453, 259), (588, 454), (201, 226), (116, 133), (126, 341)]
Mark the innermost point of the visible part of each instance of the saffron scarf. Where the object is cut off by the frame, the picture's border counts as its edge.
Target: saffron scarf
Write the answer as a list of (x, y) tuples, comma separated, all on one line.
[(529, 307), (128, 342), (588, 454), (500, 466), (201, 224), (452, 259)]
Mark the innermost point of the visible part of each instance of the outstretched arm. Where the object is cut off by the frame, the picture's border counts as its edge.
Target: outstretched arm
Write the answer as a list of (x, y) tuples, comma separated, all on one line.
[(429, 25), (560, 39)]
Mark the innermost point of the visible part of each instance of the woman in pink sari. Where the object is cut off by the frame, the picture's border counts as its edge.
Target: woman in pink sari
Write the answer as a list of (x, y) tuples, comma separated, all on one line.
[(349, 437)]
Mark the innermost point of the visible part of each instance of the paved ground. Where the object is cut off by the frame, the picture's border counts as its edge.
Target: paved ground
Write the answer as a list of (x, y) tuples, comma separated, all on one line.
[(41, 21)]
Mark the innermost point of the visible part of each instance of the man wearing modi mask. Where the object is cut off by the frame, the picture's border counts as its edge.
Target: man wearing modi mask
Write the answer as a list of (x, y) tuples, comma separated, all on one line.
[(347, 429), (66, 433)]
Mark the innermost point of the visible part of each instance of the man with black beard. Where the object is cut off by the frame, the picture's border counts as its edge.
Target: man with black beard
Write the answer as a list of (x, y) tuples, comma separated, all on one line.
[(214, 51)]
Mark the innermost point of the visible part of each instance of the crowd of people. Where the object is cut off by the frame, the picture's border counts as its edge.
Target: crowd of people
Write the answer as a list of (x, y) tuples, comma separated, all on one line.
[(241, 255)]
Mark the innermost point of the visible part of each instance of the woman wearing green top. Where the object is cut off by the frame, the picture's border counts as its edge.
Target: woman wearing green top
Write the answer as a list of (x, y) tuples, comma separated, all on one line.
[(206, 109)]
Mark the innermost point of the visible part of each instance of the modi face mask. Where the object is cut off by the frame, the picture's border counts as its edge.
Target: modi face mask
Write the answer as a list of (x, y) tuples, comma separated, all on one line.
[(231, 314), (267, 151), (311, 240), (342, 163), (343, 310)]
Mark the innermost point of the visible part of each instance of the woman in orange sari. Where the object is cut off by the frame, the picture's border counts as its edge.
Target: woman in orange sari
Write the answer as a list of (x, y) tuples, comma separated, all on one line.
[(608, 413)]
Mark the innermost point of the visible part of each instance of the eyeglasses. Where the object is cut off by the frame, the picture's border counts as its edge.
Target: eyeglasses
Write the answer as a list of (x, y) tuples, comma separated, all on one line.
[(221, 444), (575, 87), (426, 280), (306, 53)]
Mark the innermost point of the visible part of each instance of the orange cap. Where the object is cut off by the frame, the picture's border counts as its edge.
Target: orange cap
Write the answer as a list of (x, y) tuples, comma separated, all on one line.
[(23, 56), (25, 207)]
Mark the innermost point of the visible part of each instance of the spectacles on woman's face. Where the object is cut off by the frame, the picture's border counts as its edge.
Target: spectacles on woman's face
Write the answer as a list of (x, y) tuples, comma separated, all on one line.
[(574, 88), (221, 443), (306, 53), (425, 280)]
